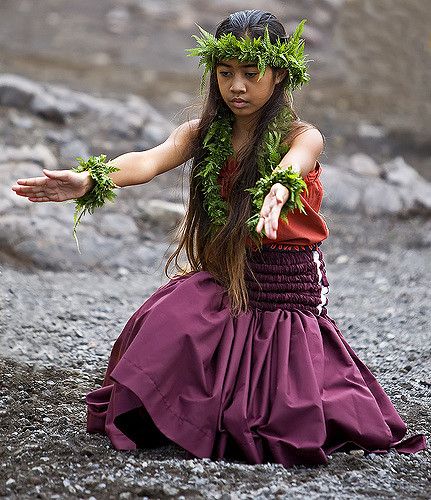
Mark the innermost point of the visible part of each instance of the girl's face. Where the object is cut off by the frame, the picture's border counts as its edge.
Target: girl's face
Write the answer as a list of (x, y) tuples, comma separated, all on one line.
[(242, 90)]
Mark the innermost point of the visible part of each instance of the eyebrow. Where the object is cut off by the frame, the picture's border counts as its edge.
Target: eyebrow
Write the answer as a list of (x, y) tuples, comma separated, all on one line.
[(245, 65)]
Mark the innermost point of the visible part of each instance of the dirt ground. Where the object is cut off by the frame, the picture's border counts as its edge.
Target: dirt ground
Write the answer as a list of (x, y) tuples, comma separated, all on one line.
[(56, 331), (57, 327)]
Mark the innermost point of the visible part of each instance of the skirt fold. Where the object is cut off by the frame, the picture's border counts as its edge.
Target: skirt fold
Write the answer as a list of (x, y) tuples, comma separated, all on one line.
[(274, 384)]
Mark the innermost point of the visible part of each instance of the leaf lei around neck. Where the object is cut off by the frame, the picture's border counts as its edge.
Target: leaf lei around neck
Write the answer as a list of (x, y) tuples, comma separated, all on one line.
[(218, 144)]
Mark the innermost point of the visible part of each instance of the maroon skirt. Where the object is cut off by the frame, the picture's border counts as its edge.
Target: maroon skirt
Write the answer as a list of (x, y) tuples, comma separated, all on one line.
[(278, 383)]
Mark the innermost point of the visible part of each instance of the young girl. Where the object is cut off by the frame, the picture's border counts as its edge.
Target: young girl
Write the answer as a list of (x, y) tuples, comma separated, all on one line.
[(236, 356)]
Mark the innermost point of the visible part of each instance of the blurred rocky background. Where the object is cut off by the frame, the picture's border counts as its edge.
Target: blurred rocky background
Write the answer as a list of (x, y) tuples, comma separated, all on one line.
[(102, 76), (80, 78), (369, 91)]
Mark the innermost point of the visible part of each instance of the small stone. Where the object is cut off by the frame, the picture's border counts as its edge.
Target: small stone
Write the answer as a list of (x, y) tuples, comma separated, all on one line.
[(161, 212), (45, 105), (24, 122), (398, 172), (10, 482), (17, 91), (368, 255), (422, 194), (38, 154), (59, 136), (198, 468), (344, 190), (170, 490), (363, 164), (101, 59), (380, 198), (342, 259), (371, 131), (357, 453), (122, 271)]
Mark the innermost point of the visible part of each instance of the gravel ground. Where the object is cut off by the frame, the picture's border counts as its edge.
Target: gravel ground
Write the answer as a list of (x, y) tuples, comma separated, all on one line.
[(56, 331)]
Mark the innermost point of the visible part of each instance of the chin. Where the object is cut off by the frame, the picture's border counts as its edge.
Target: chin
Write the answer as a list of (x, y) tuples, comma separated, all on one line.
[(242, 112)]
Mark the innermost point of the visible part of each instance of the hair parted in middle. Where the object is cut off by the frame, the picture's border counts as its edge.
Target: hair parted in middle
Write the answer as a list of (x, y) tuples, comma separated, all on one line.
[(224, 255)]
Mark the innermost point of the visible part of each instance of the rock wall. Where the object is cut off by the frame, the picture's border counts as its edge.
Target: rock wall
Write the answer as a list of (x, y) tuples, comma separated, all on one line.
[(370, 75), (385, 51), (47, 126)]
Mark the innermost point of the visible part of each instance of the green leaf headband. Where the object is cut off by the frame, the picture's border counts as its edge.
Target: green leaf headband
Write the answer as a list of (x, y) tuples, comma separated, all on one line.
[(281, 54)]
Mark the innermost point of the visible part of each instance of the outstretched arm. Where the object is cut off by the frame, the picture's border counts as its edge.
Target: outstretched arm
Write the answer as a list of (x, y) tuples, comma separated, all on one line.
[(136, 167), (302, 155)]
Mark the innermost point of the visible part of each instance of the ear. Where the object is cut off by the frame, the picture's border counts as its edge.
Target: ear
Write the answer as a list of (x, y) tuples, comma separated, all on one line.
[(280, 75)]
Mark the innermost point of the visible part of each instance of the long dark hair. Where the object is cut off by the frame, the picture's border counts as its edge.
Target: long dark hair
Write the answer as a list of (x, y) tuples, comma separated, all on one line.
[(224, 254)]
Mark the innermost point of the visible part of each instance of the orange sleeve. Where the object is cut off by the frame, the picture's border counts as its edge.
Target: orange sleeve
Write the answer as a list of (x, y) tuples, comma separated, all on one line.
[(304, 228)]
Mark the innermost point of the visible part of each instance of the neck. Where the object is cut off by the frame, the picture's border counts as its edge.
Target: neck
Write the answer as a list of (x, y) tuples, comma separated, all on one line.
[(244, 125)]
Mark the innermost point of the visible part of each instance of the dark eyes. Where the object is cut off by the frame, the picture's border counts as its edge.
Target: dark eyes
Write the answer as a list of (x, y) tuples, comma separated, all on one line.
[(249, 74)]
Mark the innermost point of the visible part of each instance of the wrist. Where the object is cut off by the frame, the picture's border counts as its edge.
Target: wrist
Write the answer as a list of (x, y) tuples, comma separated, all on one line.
[(89, 183), (98, 184), (292, 181), (281, 192)]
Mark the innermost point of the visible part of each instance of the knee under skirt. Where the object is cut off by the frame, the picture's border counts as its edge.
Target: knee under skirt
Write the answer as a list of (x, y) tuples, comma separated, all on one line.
[(278, 383)]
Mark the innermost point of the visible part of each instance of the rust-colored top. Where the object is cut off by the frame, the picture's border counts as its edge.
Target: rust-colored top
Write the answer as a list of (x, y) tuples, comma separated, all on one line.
[(301, 229)]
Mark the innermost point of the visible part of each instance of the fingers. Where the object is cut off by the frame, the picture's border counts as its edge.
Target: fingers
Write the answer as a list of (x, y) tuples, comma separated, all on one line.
[(271, 226), (33, 195), (271, 209), (25, 190), (264, 213), (270, 223), (42, 188), (42, 198), (32, 192), (56, 174), (33, 181), (41, 181), (260, 224)]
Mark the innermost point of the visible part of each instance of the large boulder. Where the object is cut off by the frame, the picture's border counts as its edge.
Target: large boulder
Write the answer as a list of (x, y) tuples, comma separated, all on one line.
[(358, 183)]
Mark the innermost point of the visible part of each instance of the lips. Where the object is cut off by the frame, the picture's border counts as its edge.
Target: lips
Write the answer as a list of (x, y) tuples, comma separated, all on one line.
[(237, 102)]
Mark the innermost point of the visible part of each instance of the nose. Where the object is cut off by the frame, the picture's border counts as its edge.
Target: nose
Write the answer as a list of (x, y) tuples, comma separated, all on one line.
[(237, 85)]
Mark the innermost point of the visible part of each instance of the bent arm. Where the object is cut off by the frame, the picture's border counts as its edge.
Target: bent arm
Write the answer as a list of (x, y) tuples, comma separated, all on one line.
[(302, 156), (304, 151), (136, 167), (139, 167)]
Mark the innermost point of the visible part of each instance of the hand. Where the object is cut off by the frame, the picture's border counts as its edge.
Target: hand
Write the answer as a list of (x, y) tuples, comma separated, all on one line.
[(271, 208), (56, 185)]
